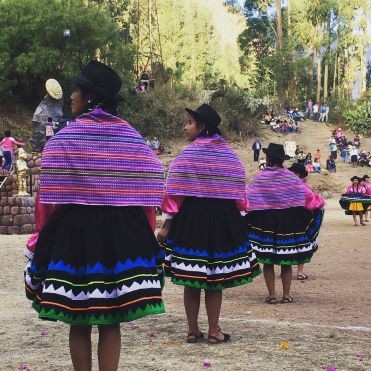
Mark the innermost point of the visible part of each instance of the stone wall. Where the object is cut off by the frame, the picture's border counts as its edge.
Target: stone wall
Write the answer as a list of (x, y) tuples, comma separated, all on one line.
[(17, 214), (10, 188)]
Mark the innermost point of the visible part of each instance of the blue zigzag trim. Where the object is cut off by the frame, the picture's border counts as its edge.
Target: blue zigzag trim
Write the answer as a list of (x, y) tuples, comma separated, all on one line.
[(97, 268), (203, 253)]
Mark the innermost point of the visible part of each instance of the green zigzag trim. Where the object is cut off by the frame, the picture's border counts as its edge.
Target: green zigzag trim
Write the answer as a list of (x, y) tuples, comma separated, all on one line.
[(284, 262), (103, 319), (214, 287)]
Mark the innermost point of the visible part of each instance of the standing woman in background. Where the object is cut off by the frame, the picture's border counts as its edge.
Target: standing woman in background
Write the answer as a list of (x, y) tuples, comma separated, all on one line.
[(206, 241), (281, 225), (317, 203), (95, 259)]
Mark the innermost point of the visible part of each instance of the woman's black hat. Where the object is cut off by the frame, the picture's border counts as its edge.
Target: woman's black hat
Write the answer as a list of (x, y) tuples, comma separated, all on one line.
[(276, 151), (300, 169), (355, 177), (100, 79), (365, 177), (206, 114)]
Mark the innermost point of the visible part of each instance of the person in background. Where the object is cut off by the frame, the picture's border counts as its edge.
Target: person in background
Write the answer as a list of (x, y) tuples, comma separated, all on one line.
[(300, 171), (309, 109), (356, 207), (315, 112), (1, 160), (322, 112), (333, 149), (317, 155), (363, 159), (353, 152), (282, 226), (256, 147), (327, 111), (316, 165), (301, 157), (330, 165), (296, 117), (7, 144), (357, 141), (309, 163), (367, 185)]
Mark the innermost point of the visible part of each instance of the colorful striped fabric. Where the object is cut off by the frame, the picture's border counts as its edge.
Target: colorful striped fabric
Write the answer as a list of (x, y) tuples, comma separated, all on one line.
[(275, 188), (99, 159), (208, 168)]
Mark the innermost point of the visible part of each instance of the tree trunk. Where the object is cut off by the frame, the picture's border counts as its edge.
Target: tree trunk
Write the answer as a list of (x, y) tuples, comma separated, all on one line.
[(319, 61), (280, 89), (310, 74), (363, 70), (325, 83), (292, 91), (335, 67), (278, 6)]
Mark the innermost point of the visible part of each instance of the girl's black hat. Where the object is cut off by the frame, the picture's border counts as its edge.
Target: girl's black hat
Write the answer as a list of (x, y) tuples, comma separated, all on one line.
[(208, 115)]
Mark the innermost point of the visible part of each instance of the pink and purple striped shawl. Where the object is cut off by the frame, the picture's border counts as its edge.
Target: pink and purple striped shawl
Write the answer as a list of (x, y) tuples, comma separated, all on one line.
[(207, 168), (99, 159), (275, 188)]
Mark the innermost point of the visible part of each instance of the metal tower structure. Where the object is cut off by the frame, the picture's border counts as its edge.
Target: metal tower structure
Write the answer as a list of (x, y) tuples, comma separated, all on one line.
[(148, 38)]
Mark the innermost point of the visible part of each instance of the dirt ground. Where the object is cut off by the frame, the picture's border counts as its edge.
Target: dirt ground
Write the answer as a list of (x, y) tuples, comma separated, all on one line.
[(328, 325)]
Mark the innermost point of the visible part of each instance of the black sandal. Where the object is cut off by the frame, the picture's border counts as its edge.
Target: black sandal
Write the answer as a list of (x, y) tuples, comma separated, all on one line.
[(194, 338), (302, 277), (288, 300), (269, 300), (215, 340)]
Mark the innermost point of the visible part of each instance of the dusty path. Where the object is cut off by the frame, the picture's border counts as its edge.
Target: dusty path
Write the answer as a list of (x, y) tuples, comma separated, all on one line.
[(328, 324)]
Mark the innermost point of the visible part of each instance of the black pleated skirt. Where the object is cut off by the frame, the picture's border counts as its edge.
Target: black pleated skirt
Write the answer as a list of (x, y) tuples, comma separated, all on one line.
[(207, 246), (96, 265), (284, 236)]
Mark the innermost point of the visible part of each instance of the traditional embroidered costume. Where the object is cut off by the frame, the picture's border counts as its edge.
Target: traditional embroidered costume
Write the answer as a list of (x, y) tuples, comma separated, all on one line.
[(284, 217), (96, 259), (205, 192), (355, 199)]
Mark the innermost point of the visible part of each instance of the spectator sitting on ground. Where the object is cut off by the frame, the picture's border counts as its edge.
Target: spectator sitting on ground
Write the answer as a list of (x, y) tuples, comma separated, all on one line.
[(330, 165), (363, 158), (296, 116), (309, 163), (316, 165), (357, 141)]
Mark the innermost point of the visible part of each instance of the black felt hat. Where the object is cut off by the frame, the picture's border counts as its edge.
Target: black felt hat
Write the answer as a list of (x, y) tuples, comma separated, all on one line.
[(276, 151), (355, 177), (208, 115), (100, 79), (300, 169)]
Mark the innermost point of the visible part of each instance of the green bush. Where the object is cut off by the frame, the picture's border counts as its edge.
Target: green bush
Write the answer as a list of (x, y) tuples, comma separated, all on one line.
[(358, 115)]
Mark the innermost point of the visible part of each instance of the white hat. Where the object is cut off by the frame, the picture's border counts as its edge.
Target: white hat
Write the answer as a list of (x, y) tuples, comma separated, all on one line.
[(54, 89)]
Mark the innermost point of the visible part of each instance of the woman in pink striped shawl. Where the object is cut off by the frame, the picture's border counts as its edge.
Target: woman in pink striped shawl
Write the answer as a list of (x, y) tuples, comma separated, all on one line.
[(283, 221), (207, 246)]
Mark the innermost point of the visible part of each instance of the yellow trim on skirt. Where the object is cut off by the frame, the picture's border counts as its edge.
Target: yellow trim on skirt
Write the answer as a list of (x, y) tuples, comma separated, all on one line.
[(355, 206)]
